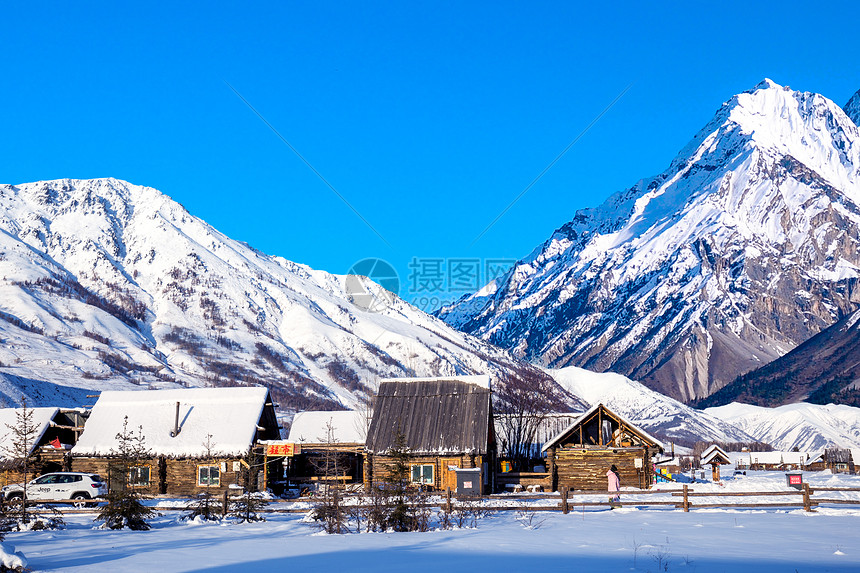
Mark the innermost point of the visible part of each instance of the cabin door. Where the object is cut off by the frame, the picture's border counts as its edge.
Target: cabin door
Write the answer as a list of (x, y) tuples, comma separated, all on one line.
[(449, 474)]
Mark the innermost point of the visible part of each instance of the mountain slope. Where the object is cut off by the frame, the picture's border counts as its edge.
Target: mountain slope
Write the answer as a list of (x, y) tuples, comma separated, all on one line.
[(744, 247), (824, 369), (808, 427), (105, 284), (658, 414)]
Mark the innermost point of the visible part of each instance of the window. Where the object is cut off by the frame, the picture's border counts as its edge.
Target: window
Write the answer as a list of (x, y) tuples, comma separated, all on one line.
[(208, 475), (50, 478), (139, 476), (422, 474)]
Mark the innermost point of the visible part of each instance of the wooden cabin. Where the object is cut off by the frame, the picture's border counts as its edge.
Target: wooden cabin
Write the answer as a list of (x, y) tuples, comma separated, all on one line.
[(715, 456), (199, 439), (56, 431), (839, 460), (579, 456), (815, 462), (777, 461), (330, 445), (447, 424)]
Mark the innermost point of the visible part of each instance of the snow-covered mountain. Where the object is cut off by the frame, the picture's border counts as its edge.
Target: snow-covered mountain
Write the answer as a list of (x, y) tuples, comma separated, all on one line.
[(109, 285), (808, 427), (652, 411), (744, 247)]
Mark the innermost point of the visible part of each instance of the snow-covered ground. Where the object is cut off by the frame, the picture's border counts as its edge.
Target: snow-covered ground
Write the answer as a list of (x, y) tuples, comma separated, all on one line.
[(596, 539)]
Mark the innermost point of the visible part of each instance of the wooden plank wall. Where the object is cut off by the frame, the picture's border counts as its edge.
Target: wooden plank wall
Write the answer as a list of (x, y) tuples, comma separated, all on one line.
[(585, 469)]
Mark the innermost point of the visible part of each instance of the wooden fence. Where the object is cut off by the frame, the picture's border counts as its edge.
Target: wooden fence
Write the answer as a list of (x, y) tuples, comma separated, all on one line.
[(684, 499)]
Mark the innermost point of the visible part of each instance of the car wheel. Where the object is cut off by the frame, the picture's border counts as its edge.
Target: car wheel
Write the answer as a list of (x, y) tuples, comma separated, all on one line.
[(79, 500), (15, 498)]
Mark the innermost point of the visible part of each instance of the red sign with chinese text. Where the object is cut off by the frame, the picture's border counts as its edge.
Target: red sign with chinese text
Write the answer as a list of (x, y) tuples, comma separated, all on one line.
[(285, 449), (795, 480)]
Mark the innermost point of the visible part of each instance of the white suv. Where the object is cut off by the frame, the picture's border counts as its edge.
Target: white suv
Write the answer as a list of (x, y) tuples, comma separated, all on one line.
[(60, 486)]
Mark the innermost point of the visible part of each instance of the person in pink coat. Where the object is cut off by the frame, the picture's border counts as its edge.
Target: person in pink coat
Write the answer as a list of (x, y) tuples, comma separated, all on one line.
[(613, 485)]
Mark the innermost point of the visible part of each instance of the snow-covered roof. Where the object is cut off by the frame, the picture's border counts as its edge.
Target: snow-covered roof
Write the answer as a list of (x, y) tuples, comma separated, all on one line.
[(588, 414), (41, 420), (229, 415), (349, 427)]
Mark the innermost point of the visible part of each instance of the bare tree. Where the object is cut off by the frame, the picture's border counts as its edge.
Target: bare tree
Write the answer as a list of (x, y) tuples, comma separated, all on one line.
[(205, 506), (23, 439), (332, 464), (524, 400)]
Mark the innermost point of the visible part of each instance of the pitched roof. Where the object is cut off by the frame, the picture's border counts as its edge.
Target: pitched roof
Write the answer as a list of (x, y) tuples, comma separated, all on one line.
[(436, 415), (349, 427), (41, 420), (587, 415), (229, 415)]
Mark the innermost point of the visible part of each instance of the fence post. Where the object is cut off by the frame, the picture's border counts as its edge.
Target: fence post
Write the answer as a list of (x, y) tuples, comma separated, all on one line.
[(564, 507), (686, 499), (448, 508), (807, 505), (224, 503)]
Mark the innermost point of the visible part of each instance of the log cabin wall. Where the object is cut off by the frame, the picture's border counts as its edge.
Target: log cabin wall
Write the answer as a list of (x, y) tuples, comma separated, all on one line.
[(585, 468), (377, 469), (171, 476)]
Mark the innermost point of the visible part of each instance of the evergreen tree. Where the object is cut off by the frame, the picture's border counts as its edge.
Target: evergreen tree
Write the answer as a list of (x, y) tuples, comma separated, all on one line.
[(124, 507), (398, 480)]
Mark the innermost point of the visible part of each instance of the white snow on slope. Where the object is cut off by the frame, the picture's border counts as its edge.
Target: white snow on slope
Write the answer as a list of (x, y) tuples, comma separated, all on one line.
[(654, 412), (809, 427)]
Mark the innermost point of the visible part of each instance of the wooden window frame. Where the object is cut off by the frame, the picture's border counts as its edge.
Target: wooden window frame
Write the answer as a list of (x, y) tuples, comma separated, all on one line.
[(421, 473), (148, 481), (217, 468)]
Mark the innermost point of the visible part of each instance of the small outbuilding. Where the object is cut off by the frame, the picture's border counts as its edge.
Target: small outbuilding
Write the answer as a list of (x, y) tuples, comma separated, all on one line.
[(715, 456), (329, 445), (446, 424), (579, 456), (200, 439)]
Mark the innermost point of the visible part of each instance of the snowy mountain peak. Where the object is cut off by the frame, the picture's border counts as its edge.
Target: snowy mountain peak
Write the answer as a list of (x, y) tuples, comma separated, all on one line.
[(746, 245)]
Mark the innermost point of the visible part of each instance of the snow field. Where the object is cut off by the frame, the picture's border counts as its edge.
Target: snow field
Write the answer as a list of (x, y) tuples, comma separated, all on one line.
[(596, 539)]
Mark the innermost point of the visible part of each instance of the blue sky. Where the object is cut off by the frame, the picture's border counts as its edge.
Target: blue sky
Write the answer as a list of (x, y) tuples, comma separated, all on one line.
[(429, 118)]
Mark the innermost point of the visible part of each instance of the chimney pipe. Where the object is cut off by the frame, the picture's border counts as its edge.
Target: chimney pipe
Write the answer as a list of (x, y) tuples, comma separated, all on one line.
[(176, 428)]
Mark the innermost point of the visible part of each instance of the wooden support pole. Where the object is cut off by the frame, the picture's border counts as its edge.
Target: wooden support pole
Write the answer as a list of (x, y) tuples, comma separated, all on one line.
[(686, 498), (224, 503), (807, 506), (448, 508), (565, 509)]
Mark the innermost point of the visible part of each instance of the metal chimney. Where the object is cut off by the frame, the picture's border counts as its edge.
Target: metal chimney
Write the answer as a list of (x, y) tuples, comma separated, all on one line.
[(176, 428)]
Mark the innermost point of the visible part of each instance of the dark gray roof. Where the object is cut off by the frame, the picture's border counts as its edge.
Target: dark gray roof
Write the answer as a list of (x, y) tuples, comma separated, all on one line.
[(437, 416), (837, 455)]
